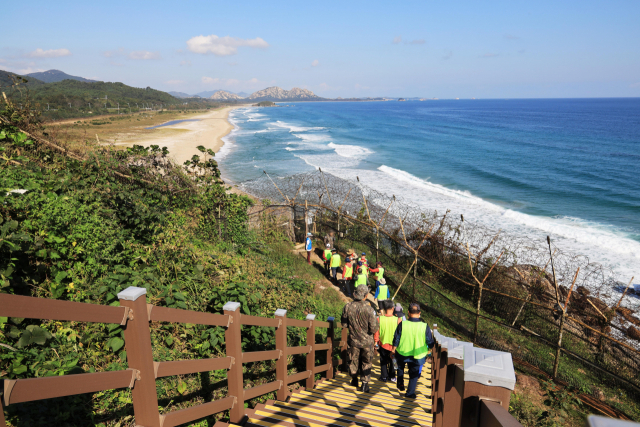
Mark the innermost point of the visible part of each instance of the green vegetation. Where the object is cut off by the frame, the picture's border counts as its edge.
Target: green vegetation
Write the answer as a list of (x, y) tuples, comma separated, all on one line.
[(72, 98), (89, 226)]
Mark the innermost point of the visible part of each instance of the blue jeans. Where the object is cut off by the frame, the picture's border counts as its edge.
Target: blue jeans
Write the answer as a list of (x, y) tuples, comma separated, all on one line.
[(415, 370), (334, 272)]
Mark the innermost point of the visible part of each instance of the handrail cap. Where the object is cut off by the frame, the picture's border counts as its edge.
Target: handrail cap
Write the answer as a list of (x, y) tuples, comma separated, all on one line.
[(132, 293), (489, 367), (231, 306), (281, 312), (456, 351), (311, 316), (599, 421)]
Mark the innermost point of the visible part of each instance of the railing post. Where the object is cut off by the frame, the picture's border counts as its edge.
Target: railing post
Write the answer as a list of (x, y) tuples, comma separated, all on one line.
[(281, 344), (488, 375), (137, 338), (453, 396), (311, 356), (233, 341), (331, 331), (439, 386), (3, 423)]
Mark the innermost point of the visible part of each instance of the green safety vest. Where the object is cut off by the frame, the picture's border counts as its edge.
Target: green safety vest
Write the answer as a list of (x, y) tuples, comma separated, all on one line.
[(383, 292), (327, 254), (361, 279), (380, 273), (335, 261), (348, 271), (413, 341), (388, 326)]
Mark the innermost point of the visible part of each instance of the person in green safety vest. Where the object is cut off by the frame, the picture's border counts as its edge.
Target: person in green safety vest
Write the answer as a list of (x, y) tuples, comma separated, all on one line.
[(335, 263), (412, 343), (347, 276), (379, 273), (326, 256), (382, 292), (361, 278), (384, 338)]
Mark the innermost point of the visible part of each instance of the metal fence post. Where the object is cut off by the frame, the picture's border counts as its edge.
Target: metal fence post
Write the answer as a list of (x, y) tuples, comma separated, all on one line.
[(331, 334), (233, 341), (311, 356), (137, 338), (281, 344)]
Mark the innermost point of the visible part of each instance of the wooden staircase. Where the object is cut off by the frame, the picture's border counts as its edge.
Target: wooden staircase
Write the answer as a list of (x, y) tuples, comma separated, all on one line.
[(336, 403)]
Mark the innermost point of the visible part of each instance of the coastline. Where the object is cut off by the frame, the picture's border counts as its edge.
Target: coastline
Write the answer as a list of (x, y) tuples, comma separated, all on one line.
[(181, 139)]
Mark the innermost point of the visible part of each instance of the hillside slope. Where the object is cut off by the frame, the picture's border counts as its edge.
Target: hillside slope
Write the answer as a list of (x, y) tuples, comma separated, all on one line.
[(278, 94), (53, 76)]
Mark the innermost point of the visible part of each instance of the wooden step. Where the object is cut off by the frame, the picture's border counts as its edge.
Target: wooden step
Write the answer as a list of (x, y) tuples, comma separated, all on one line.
[(422, 397), (387, 418), (400, 405), (351, 402)]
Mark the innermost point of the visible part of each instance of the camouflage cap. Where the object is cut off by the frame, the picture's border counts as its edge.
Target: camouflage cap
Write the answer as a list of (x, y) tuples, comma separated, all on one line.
[(361, 292)]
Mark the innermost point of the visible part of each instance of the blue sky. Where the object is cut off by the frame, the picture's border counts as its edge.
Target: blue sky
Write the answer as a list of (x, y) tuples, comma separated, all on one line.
[(510, 49)]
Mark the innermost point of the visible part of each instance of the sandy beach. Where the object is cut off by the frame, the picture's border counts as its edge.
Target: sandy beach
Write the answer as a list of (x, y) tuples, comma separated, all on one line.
[(182, 138)]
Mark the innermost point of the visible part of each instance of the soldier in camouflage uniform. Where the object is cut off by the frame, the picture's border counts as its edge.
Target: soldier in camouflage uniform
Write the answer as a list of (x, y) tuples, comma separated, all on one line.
[(361, 320)]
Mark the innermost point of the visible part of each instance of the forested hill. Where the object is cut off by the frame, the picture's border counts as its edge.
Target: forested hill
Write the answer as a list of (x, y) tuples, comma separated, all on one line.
[(7, 78)]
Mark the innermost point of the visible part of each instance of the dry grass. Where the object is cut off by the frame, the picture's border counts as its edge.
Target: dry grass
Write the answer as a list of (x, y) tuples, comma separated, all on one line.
[(119, 130)]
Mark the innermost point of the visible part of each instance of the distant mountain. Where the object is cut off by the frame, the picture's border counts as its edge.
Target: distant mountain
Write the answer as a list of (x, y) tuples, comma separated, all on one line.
[(278, 94), (224, 95), (53, 76), (6, 79), (179, 94), (210, 93), (243, 94)]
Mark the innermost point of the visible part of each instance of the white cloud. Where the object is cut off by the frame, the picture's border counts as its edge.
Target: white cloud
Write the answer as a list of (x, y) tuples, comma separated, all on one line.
[(113, 53), (174, 82), (185, 63), (315, 63), (222, 46), (144, 55), (51, 53), (397, 40)]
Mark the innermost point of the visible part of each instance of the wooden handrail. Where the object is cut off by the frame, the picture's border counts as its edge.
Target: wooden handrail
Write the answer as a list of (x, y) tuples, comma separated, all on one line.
[(27, 390), (492, 414), (184, 367), (136, 314), (174, 315), (183, 416), (50, 309), (298, 350), (259, 356)]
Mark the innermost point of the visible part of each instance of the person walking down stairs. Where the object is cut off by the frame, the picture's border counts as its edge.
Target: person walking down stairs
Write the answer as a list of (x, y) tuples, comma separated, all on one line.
[(335, 263), (326, 257), (361, 322), (308, 245), (412, 342), (384, 340), (382, 292), (347, 276)]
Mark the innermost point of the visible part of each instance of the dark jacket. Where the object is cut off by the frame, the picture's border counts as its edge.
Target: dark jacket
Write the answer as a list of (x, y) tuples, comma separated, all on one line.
[(361, 320)]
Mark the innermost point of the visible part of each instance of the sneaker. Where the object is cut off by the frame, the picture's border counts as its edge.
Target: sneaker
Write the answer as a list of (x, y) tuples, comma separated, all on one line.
[(384, 380), (365, 387), (394, 380), (400, 387), (354, 382), (410, 396)]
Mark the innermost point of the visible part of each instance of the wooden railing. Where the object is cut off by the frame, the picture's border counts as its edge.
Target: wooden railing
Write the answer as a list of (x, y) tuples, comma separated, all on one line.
[(471, 386), (134, 314)]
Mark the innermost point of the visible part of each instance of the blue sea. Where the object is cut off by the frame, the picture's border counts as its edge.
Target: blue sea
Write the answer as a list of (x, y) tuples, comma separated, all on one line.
[(568, 168)]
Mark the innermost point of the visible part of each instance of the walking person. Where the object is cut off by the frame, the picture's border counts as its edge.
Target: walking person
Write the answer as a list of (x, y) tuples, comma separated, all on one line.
[(382, 292), (360, 319), (326, 256), (412, 342), (379, 273), (329, 239), (347, 276), (398, 312), (308, 245), (384, 339), (335, 263), (361, 278)]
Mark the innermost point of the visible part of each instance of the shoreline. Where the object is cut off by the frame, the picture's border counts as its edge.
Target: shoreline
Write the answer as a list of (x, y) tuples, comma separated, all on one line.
[(181, 139)]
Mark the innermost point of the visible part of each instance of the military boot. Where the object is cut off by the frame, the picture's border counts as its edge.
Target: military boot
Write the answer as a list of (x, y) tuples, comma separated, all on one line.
[(365, 387), (354, 381)]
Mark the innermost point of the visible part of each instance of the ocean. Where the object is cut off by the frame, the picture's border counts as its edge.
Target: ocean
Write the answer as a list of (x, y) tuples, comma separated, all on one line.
[(568, 168)]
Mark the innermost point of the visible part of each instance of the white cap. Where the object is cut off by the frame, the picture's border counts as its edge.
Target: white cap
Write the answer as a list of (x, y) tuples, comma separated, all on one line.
[(489, 367)]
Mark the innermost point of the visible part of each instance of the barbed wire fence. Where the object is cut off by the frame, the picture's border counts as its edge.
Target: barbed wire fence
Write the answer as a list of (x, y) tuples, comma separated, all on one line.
[(510, 292)]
